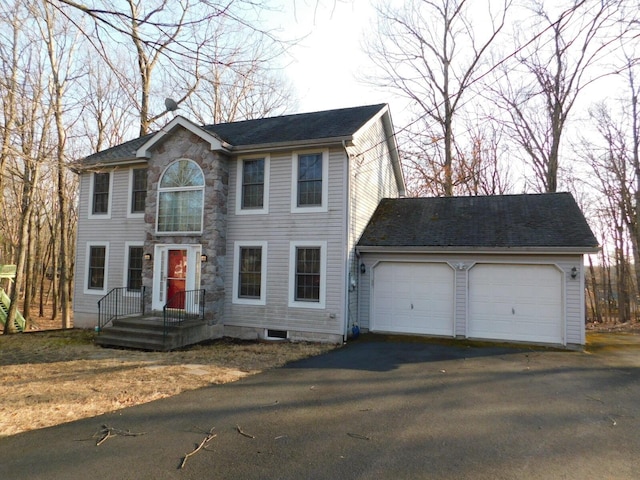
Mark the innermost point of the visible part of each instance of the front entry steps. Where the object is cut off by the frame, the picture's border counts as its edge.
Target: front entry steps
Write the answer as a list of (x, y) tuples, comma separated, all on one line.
[(147, 333)]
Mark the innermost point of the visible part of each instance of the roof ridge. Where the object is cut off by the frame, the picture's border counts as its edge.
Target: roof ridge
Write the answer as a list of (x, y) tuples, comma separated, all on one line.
[(291, 115)]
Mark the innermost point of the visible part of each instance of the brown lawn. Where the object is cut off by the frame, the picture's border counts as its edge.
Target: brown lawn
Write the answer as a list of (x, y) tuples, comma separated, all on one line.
[(52, 377)]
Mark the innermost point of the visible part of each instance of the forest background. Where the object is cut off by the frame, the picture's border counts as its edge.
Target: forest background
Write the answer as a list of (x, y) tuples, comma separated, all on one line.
[(494, 96)]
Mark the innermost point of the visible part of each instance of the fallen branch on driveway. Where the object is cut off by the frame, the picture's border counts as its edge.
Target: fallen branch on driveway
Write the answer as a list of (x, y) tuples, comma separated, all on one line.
[(243, 433), (107, 432), (210, 436)]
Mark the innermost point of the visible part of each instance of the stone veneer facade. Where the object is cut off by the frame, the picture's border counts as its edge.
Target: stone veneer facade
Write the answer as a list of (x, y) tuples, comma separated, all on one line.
[(215, 167)]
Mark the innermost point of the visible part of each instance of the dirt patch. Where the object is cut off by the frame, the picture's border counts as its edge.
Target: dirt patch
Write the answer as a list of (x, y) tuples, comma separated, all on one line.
[(54, 377)]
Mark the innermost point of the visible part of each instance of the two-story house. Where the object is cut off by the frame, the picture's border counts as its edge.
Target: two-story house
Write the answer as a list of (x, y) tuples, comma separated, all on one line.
[(294, 227), (256, 220)]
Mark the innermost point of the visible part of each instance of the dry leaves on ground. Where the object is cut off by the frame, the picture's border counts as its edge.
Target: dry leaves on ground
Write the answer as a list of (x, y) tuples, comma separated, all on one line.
[(54, 377)]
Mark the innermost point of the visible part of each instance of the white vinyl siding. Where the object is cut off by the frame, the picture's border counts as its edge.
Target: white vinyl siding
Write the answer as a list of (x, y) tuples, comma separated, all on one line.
[(278, 230), (117, 231), (371, 179)]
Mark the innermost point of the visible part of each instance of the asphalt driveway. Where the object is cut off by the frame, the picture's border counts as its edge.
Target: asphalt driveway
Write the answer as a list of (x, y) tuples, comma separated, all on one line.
[(373, 409)]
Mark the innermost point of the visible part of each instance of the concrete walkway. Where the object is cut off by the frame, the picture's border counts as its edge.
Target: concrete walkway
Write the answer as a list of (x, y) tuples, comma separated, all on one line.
[(373, 409)]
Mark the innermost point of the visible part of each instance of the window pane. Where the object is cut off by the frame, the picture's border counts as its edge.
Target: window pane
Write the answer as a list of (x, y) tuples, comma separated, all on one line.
[(183, 173), (253, 183), (307, 274), (134, 272), (97, 257), (310, 179), (250, 272), (180, 198), (180, 211), (100, 193), (139, 190)]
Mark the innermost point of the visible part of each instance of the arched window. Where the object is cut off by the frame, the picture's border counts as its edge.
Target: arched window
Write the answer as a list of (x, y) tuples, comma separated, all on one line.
[(181, 198)]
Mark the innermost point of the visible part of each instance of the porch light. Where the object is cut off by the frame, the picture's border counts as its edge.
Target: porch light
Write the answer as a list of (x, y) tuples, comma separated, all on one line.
[(203, 258), (363, 268), (147, 256), (574, 272)]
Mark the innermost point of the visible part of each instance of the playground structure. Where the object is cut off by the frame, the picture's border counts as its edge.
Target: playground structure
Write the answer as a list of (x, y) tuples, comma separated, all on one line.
[(9, 272)]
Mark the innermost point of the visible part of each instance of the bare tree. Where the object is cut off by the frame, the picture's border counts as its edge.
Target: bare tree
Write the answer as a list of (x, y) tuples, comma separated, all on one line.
[(244, 86), (432, 52), (173, 42), (567, 53), (614, 174)]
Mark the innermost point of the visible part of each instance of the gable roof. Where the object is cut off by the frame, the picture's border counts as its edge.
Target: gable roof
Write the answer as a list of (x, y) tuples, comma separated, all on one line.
[(340, 123), (549, 222), (330, 125)]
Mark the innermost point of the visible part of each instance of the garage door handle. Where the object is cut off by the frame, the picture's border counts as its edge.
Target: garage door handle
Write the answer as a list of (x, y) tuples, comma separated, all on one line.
[(412, 306)]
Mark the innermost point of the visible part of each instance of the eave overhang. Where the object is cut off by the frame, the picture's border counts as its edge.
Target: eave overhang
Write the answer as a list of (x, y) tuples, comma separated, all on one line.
[(389, 133), (215, 143), (79, 168), (280, 146), (480, 250)]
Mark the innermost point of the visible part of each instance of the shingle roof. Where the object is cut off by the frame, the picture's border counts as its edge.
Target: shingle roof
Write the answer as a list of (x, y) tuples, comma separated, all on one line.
[(339, 123), (551, 220)]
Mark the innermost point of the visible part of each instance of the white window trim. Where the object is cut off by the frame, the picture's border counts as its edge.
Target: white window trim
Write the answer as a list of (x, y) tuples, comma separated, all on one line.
[(292, 274), (131, 214), (294, 182), (101, 216), (194, 265), (265, 200), (181, 189), (95, 291), (125, 269), (263, 274)]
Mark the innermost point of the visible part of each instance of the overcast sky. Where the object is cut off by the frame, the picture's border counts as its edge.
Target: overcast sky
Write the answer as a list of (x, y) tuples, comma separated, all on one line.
[(329, 57)]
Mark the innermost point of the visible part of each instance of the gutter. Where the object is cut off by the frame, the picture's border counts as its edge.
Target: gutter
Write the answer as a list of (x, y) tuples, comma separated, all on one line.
[(236, 150), (479, 250), (101, 165), (320, 142)]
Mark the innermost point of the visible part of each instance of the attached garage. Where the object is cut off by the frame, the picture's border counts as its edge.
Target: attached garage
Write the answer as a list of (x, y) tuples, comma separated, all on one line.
[(413, 298), (504, 268), (516, 302)]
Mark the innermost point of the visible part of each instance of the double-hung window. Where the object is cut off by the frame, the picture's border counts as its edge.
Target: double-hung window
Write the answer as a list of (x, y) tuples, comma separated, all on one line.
[(307, 275), (100, 188), (181, 198), (250, 273), (134, 268), (253, 186), (310, 183), (138, 190), (97, 255)]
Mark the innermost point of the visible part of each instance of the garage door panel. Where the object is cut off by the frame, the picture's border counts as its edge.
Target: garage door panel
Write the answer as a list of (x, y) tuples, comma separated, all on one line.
[(413, 298), (516, 302)]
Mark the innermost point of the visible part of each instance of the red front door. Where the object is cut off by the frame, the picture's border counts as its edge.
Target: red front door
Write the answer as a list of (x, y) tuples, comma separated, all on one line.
[(176, 278)]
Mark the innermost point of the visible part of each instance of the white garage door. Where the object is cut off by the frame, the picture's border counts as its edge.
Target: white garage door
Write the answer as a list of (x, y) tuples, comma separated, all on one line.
[(516, 302), (413, 298)]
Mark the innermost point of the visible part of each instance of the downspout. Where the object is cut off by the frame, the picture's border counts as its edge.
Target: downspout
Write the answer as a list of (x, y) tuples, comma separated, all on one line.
[(347, 283)]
